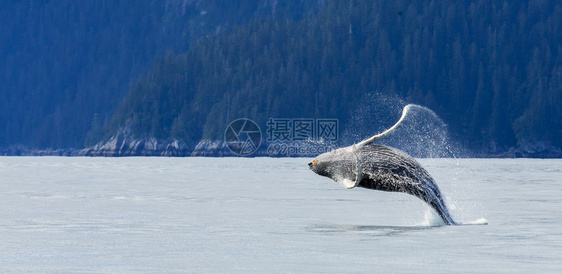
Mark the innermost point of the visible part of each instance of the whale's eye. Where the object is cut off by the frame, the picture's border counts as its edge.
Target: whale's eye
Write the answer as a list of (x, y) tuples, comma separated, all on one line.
[(314, 162)]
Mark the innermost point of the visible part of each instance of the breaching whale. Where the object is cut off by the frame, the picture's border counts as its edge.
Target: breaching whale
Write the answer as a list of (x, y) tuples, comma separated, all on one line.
[(381, 168)]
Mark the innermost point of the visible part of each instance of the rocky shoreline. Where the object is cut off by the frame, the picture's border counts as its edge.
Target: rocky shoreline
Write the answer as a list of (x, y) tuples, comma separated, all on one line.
[(121, 145)]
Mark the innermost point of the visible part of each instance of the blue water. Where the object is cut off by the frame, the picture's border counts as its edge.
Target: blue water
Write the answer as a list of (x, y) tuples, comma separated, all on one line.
[(255, 215)]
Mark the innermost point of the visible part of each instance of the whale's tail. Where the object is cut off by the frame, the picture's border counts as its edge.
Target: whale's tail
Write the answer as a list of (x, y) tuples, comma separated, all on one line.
[(428, 191), (437, 203)]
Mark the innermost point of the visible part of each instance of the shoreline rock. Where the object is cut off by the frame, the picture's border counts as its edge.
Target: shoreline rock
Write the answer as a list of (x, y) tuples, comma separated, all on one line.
[(122, 145)]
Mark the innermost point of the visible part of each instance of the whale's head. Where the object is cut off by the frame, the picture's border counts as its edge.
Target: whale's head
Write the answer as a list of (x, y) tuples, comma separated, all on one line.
[(340, 165)]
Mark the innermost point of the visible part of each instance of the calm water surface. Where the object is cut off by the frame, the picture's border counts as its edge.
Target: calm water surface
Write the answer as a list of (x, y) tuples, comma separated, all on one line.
[(261, 214)]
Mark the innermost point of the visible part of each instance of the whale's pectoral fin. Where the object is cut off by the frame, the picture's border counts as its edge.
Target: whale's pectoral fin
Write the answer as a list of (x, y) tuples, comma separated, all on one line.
[(386, 132), (349, 184)]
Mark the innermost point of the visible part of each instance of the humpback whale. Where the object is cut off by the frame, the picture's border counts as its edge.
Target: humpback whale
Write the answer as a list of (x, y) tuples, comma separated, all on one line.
[(381, 168)]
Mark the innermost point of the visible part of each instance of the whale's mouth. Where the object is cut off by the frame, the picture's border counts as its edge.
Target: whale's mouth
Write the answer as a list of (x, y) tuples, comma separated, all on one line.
[(341, 166), (313, 163)]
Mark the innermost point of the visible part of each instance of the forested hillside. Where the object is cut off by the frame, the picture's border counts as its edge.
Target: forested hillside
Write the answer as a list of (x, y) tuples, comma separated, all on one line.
[(491, 69), (73, 73), (65, 65)]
